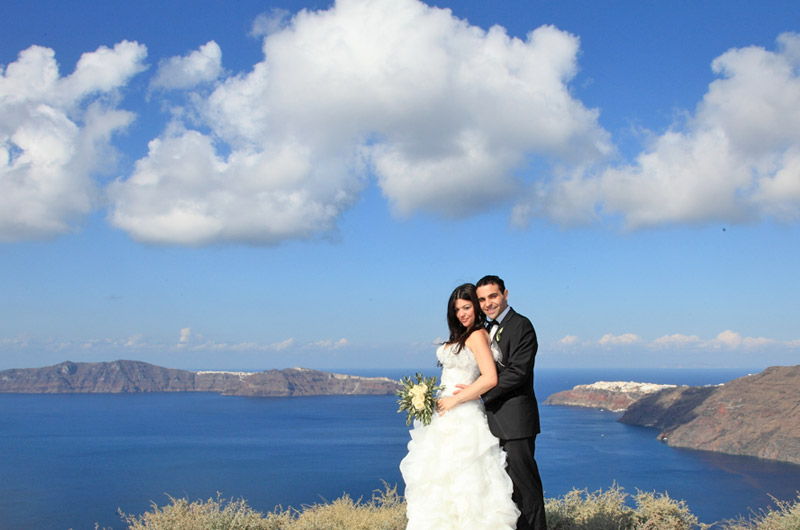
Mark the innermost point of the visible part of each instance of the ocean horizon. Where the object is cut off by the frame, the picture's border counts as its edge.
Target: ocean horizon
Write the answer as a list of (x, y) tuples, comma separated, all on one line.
[(73, 460)]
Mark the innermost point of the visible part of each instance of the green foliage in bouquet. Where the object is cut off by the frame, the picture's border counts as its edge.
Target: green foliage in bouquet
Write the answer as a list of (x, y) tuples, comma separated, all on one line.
[(418, 399)]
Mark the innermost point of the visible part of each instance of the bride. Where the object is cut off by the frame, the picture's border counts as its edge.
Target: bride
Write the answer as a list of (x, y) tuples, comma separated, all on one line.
[(455, 470)]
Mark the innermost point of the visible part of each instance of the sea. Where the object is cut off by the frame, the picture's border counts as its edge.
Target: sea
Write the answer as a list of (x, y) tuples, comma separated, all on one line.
[(73, 461)]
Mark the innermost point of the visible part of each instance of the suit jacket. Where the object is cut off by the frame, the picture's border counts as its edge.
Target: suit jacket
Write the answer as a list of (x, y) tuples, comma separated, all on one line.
[(511, 407)]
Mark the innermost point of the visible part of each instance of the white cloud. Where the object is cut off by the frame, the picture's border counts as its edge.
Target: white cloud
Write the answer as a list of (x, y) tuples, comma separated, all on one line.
[(55, 133), (266, 24), (329, 344), (733, 340), (438, 110), (728, 339), (202, 65), (757, 342), (625, 339), (133, 341), (677, 340), (736, 159), (278, 346), (569, 340), (186, 333), (447, 117)]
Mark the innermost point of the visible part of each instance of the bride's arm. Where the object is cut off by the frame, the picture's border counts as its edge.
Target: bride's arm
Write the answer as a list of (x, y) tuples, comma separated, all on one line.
[(478, 343)]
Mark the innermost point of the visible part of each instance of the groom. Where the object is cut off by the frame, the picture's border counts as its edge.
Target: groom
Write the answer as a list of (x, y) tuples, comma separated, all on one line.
[(511, 408)]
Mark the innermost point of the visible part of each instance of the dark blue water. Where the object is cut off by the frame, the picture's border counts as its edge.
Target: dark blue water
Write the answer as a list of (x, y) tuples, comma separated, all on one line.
[(68, 461)]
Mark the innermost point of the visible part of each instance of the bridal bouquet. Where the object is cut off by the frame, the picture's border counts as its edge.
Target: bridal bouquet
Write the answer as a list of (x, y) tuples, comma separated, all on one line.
[(418, 399)]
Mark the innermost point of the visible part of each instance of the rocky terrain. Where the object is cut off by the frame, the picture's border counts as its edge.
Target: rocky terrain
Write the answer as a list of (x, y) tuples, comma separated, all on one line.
[(757, 415), (615, 396), (136, 376)]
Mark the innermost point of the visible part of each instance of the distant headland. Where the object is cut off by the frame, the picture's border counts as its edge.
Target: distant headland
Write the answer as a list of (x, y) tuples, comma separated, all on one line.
[(757, 415), (136, 376)]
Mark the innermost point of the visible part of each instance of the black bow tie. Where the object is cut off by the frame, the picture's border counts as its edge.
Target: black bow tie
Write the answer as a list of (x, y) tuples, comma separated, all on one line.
[(489, 325)]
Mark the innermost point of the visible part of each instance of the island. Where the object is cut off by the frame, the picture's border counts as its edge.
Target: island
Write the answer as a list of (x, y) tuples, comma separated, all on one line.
[(135, 376), (614, 396), (756, 415)]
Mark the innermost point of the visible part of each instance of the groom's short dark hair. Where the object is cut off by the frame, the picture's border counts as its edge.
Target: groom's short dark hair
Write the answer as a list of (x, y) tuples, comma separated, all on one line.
[(489, 280)]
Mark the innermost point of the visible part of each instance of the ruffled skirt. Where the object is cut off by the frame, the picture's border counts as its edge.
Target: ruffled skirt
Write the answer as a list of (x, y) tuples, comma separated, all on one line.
[(455, 474)]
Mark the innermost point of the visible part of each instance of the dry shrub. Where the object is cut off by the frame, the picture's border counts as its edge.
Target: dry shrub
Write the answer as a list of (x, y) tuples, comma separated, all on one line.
[(581, 510), (577, 510), (385, 511), (784, 516), (659, 512), (606, 510), (214, 514)]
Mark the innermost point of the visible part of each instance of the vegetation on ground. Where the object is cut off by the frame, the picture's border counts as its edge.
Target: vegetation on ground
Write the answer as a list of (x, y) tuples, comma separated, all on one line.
[(577, 510), (783, 516)]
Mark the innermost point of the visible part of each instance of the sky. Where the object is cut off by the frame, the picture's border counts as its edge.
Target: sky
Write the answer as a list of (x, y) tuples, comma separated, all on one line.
[(253, 185)]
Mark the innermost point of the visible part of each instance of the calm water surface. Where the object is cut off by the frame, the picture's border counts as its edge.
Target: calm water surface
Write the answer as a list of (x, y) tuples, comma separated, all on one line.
[(68, 461)]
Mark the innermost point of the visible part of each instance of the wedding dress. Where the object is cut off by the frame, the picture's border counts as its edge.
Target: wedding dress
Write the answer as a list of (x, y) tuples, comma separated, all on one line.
[(455, 469)]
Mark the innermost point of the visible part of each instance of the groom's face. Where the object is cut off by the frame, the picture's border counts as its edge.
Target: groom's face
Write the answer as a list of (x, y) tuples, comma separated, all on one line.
[(493, 301)]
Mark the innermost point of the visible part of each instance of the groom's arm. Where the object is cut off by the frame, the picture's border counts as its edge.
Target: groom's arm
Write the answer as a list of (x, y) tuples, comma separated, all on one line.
[(521, 354)]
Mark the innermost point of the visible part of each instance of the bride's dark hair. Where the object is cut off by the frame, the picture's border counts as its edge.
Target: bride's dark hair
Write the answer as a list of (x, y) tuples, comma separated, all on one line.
[(459, 333)]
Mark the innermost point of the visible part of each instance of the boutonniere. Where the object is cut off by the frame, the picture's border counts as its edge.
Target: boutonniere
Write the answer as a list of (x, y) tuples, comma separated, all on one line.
[(497, 335)]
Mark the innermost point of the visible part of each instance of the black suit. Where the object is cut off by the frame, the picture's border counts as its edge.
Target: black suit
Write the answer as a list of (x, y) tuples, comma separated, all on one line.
[(513, 415)]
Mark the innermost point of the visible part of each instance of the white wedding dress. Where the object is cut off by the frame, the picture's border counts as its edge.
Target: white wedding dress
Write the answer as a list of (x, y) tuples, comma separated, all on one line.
[(455, 469)]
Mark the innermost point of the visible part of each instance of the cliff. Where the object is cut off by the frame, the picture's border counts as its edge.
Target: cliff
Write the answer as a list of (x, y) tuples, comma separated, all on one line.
[(615, 396), (756, 415), (136, 376)]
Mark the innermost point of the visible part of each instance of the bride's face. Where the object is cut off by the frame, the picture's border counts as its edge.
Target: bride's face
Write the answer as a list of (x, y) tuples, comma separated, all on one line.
[(465, 313)]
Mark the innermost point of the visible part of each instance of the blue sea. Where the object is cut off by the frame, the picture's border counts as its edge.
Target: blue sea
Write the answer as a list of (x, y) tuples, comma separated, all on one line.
[(70, 461)]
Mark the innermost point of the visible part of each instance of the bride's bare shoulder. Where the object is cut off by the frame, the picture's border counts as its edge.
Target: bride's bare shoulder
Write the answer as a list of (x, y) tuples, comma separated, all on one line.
[(478, 335)]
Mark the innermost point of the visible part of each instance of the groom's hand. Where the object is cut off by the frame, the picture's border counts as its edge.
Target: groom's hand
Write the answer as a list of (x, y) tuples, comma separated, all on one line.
[(459, 388)]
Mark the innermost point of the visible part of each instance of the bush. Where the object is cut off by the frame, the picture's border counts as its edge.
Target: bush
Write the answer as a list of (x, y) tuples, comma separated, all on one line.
[(785, 516), (385, 511), (606, 510), (213, 514), (659, 512), (577, 510)]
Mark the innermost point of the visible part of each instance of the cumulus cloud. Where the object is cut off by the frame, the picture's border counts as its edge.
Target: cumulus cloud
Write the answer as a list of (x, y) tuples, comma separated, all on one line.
[(268, 23), (677, 340), (55, 134), (569, 340), (736, 159), (446, 117), (733, 340), (625, 339), (202, 65), (443, 114)]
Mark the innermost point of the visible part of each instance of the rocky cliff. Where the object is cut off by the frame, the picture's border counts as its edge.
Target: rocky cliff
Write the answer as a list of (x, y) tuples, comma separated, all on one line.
[(136, 376), (615, 396), (757, 415)]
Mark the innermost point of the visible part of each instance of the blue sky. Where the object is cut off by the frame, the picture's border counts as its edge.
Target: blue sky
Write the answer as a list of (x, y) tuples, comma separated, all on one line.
[(262, 185)]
